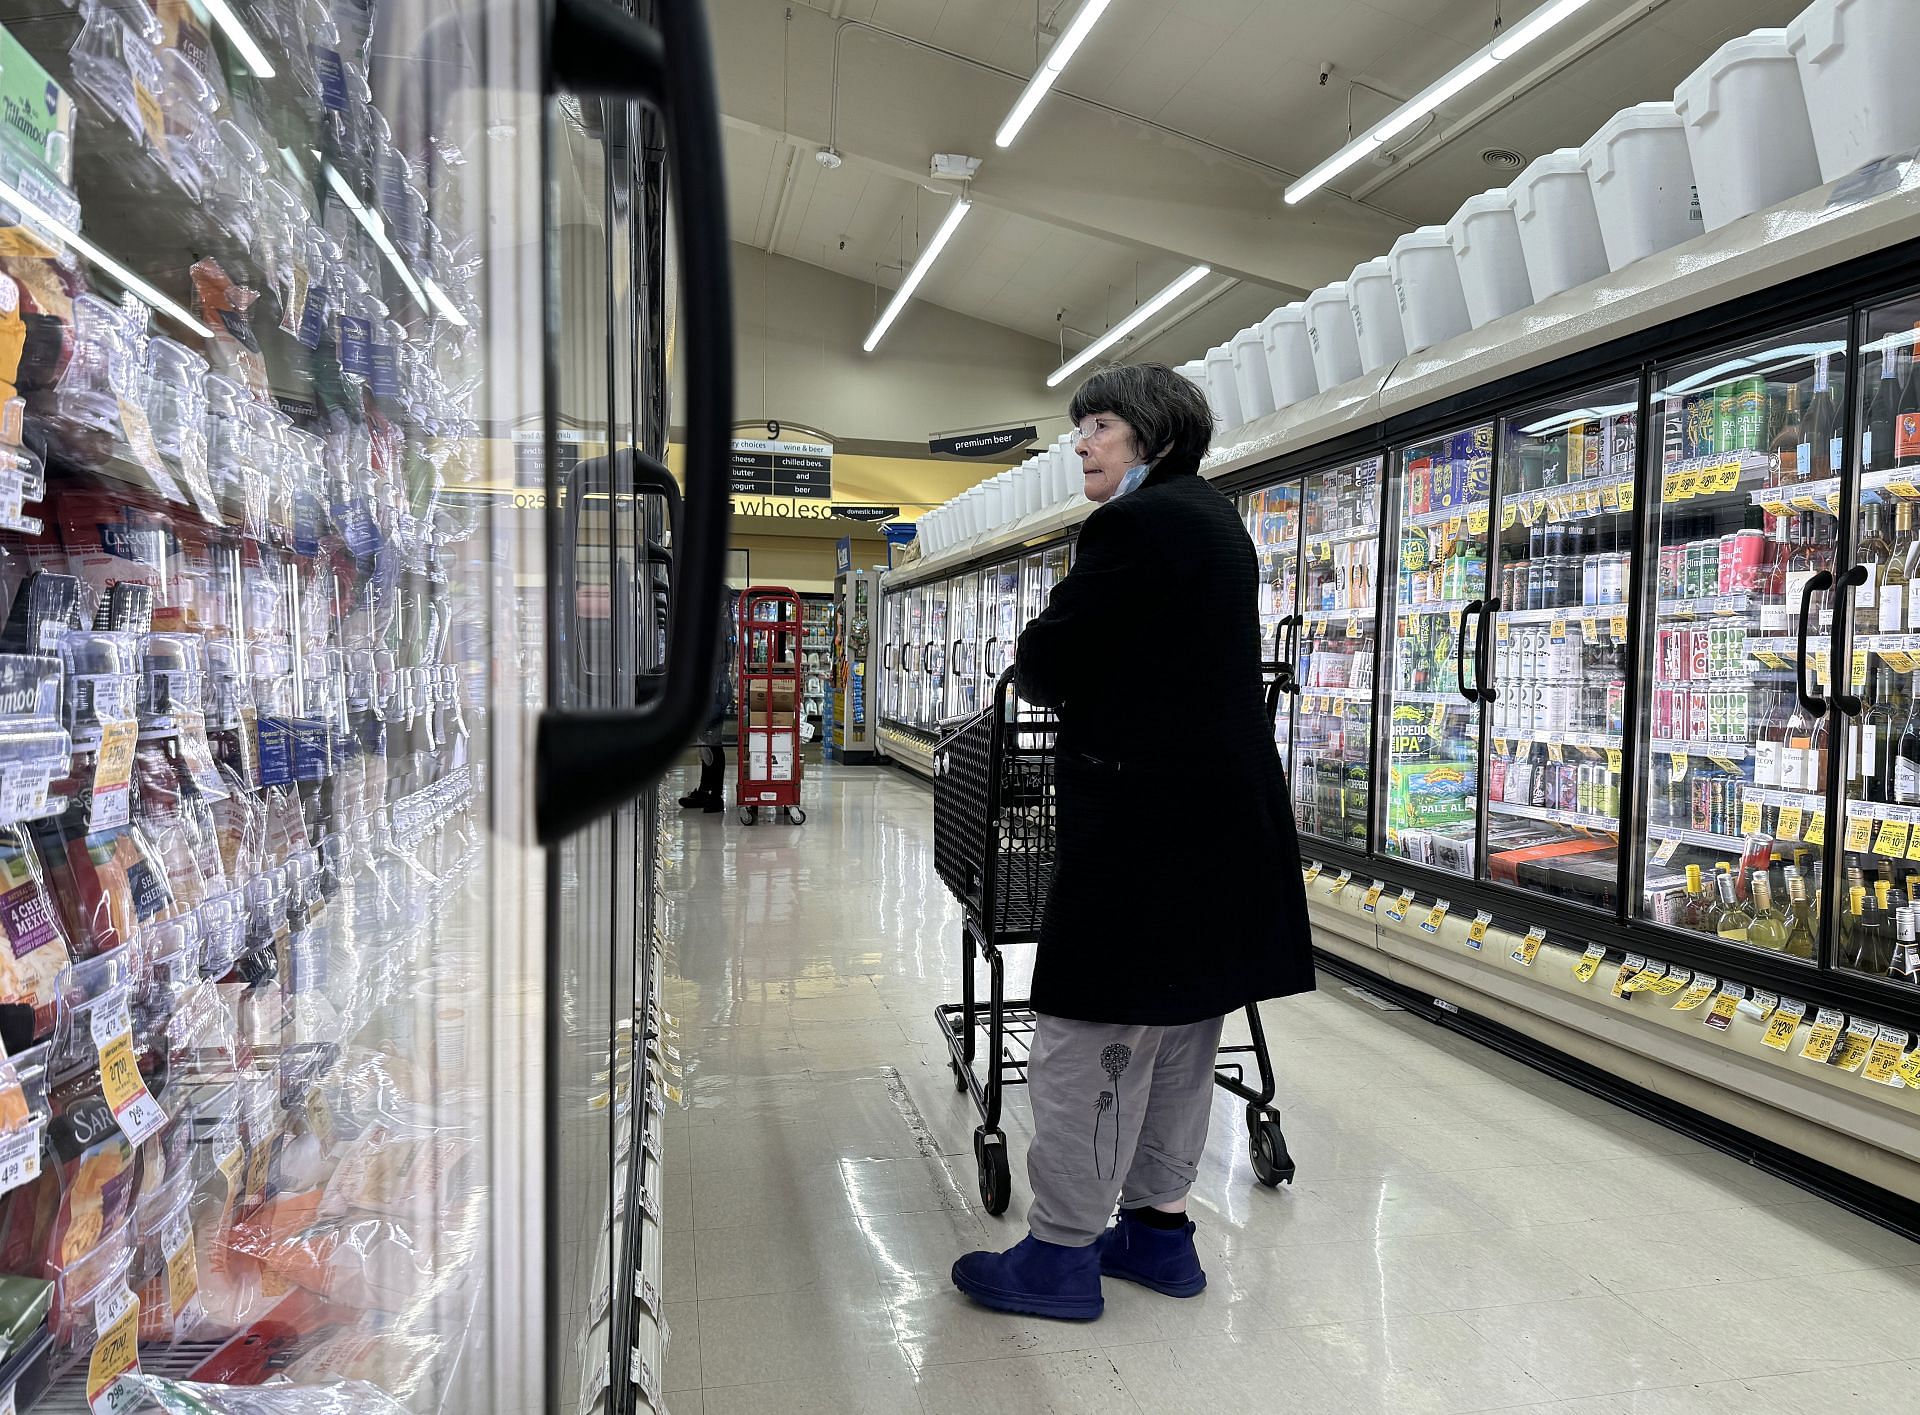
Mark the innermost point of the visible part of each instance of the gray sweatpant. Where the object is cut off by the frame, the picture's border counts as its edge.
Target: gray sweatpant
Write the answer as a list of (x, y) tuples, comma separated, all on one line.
[(1117, 1112)]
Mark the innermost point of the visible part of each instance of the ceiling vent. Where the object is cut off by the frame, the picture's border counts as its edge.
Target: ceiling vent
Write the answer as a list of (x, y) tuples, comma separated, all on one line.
[(1503, 159)]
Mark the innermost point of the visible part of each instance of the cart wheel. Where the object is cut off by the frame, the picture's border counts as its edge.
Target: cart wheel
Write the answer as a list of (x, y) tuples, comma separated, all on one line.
[(996, 1179), (796, 816), (749, 814), (1272, 1165)]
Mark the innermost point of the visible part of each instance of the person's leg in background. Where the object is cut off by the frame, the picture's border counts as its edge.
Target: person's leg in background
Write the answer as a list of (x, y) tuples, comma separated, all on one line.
[(1089, 1083), (710, 794), (1153, 1242)]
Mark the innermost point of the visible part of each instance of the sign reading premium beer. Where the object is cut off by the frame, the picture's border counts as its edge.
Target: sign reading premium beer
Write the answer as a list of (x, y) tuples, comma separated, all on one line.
[(763, 468), (982, 444)]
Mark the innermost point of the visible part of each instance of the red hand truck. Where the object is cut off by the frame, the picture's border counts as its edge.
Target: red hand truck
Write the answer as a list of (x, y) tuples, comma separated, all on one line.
[(770, 631)]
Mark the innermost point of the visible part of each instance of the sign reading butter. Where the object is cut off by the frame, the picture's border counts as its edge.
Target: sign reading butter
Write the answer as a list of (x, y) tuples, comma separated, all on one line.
[(778, 469), (982, 444)]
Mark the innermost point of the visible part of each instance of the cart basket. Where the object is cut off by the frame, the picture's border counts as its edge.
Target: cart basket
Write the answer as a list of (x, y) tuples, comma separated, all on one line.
[(993, 812)]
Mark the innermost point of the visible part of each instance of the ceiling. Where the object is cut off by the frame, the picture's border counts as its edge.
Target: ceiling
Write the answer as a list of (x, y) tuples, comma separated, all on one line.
[(1200, 112)]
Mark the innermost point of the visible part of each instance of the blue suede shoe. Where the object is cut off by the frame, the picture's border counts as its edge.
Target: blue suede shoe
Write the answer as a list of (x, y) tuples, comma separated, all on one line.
[(1163, 1259), (1038, 1278)]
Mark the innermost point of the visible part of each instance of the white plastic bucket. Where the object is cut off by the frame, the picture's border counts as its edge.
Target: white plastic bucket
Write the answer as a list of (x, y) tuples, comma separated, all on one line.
[(1642, 182), (1426, 281), (1485, 236), (1195, 372), (1250, 378), (1748, 132), (1559, 228), (1376, 315), (1283, 334), (1336, 349), (1031, 479), (1221, 390), (1856, 61)]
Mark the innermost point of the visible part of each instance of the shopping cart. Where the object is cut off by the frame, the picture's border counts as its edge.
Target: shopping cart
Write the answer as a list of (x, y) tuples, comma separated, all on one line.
[(993, 843)]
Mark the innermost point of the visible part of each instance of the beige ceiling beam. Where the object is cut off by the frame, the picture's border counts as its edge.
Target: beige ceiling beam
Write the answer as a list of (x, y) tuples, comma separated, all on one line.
[(1076, 165)]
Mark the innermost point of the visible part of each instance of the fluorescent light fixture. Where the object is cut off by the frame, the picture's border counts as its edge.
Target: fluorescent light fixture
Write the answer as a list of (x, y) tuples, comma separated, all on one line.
[(424, 291), (1050, 69), (32, 211), (448, 309), (1533, 26), (244, 41), (918, 273), (1143, 313), (1459, 78)]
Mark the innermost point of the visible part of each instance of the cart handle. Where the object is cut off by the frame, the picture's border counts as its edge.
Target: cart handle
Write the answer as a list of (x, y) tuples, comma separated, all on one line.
[(587, 762)]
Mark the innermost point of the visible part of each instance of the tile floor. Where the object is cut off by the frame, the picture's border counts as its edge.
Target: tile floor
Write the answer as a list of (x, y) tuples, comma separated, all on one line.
[(1465, 1234)]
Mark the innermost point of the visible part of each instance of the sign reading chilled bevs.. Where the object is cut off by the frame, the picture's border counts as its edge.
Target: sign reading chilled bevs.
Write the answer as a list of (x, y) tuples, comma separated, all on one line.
[(780, 469)]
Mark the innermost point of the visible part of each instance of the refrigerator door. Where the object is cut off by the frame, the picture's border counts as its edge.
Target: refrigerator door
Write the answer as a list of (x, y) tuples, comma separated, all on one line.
[(963, 652), (1006, 622), (1439, 598), (1272, 516), (1557, 709), (1739, 721), (1880, 782), (1339, 602), (935, 657)]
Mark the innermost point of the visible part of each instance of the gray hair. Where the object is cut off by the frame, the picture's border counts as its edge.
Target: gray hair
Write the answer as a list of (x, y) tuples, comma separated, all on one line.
[(1164, 410)]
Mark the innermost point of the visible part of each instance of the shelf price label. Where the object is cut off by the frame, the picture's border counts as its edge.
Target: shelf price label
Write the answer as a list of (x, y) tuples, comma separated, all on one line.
[(116, 1352), (1589, 962), (139, 1115), (1670, 982), (1529, 947), (1725, 1004), (1909, 1072), (1913, 846), (1677, 766), (1698, 991), (1859, 832), (1822, 1036), (1792, 820), (1435, 915), (1340, 882), (1883, 1060), (1629, 971), (1477, 930), (1892, 840), (1783, 1024), (1668, 849), (1477, 521), (183, 1273), (1313, 873), (1749, 817), (1372, 897), (1816, 833), (1397, 911), (1856, 1044)]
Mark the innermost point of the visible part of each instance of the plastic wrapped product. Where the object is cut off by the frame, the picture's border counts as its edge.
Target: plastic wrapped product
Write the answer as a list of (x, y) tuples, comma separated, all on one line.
[(176, 407), (24, 1302), (35, 746), (36, 952), (86, 404), (107, 885), (223, 305), (106, 545), (90, 1275), (328, 1398), (115, 67), (84, 1192), (230, 196), (166, 1271)]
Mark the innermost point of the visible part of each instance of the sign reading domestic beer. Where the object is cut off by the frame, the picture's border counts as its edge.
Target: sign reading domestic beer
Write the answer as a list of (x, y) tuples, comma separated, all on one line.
[(763, 468), (866, 513), (982, 444)]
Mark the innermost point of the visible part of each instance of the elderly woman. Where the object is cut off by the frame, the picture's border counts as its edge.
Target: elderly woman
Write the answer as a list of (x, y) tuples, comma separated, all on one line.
[(1172, 904)]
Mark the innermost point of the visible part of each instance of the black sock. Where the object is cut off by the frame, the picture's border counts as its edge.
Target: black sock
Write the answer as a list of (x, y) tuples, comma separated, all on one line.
[(1159, 1218)]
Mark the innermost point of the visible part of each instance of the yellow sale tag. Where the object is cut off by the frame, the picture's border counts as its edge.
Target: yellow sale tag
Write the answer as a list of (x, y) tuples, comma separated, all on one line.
[(1698, 991), (1477, 930), (119, 1072), (1770, 658), (1397, 911), (1626, 496), (1529, 948), (1372, 896), (152, 117), (1434, 917), (183, 1269), (1904, 488), (1670, 983), (112, 771), (116, 1350), (1791, 819), (1646, 980), (1892, 840), (1614, 759), (1558, 631), (1340, 882), (1728, 477), (1783, 1024), (1883, 1060), (1896, 660), (1859, 832), (1668, 849), (1589, 963), (1913, 846), (257, 1166), (1817, 828), (1507, 518), (1726, 764), (1823, 1034), (1725, 1004), (1677, 767), (1629, 970), (1618, 626), (1610, 496), (1313, 873), (1477, 521), (1855, 1045), (1749, 817), (1909, 1072)]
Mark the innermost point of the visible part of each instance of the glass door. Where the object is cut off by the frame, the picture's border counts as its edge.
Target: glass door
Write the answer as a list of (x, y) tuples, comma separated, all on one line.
[(934, 657), (1738, 727), (1881, 784), (1439, 597), (963, 671), (1005, 622), (1339, 602), (893, 652), (1557, 709), (1272, 516)]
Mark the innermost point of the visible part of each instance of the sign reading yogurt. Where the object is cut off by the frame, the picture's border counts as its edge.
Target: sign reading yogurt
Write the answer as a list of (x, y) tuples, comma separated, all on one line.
[(798, 469)]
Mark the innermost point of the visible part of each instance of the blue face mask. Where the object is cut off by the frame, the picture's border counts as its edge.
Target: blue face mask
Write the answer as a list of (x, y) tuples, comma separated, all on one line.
[(1133, 478)]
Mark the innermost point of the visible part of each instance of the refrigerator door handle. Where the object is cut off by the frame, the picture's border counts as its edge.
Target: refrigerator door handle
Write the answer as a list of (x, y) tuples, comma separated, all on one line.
[(1482, 650), (587, 762), (1847, 702), (1812, 702), (1472, 606), (986, 654)]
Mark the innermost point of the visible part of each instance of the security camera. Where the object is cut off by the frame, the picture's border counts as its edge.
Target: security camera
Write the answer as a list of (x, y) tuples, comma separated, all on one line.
[(1326, 72)]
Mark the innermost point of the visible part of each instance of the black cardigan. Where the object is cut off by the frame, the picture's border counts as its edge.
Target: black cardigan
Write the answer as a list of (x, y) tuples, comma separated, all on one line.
[(1176, 890)]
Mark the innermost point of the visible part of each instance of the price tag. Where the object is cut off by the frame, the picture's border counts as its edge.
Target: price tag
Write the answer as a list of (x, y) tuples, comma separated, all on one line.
[(1883, 1060), (1892, 839), (1614, 759), (1770, 658), (138, 1113), (1610, 496), (1698, 991), (1677, 766), (1434, 917), (1824, 1033), (1647, 979), (1904, 489), (1626, 496), (1856, 1044), (1477, 521), (1589, 963), (1726, 764), (1313, 873), (1859, 832), (1372, 896), (1759, 1004), (1340, 882), (1555, 752), (116, 1351), (1617, 627), (1671, 982), (20, 1157), (1668, 849), (1783, 1024), (112, 775), (1898, 662), (1749, 817), (1557, 631), (1529, 948), (1720, 1015), (1909, 1072), (1507, 517), (1628, 971), (183, 1272), (1397, 911), (1816, 828), (1728, 476), (1477, 930), (1790, 822), (1589, 627)]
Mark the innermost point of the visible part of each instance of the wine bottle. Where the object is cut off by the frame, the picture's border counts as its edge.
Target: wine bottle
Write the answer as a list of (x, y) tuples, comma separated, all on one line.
[(1796, 752), (1851, 925), (1876, 932), (1768, 928), (1877, 439), (1819, 426), (1905, 965), (1800, 931), (1906, 757), (1906, 419), (1786, 443), (1735, 918), (1694, 913), (1894, 578), (1876, 550)]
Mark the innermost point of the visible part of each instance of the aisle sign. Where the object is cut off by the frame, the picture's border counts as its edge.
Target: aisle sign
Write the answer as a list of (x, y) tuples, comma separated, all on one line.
[(1824, 1033), (1477, 930), (761, 467), (1589, 963), (1698, 991), (1529, 948), (1783, 1024)]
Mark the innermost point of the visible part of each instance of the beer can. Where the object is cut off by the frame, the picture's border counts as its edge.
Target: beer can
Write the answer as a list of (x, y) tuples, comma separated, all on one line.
[(1663, 714), (1723, 565), (1699, 655), (1670, 655), (1749, 550), (1698, 715)]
